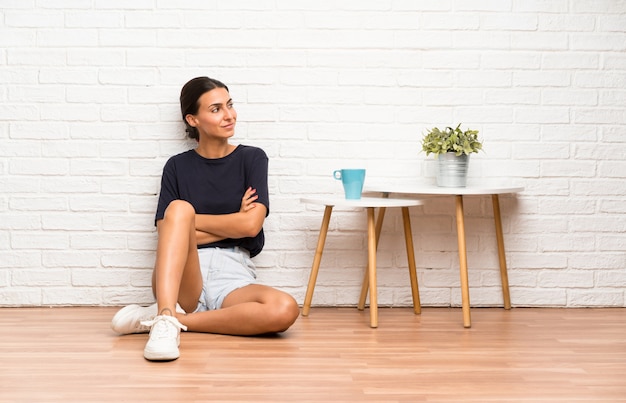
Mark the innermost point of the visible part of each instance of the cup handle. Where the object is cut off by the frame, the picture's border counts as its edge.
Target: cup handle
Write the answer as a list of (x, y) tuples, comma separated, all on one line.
[(337, 174)]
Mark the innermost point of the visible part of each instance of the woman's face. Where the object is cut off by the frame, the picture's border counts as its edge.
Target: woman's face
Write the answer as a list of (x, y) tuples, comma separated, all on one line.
[(216, 116)]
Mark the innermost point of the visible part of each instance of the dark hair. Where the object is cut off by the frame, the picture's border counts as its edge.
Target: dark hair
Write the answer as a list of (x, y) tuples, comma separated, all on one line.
[(189, 96)]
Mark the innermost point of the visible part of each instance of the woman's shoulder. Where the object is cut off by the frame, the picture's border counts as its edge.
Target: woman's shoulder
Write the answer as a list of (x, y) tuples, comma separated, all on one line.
[(251, 151), (180, 158)]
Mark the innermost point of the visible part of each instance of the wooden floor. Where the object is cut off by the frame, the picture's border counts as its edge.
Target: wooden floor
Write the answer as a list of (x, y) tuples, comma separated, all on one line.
[(522, 355)]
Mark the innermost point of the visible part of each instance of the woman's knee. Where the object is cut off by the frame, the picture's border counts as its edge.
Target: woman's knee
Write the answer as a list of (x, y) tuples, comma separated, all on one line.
[(179, 209), (285, 311)]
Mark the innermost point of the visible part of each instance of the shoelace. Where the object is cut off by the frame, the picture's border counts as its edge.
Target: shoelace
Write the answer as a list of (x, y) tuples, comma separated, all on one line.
[(160, 325)]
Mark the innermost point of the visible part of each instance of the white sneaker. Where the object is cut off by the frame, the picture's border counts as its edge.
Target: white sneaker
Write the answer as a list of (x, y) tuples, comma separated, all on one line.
[(164, 338), (128, 319)]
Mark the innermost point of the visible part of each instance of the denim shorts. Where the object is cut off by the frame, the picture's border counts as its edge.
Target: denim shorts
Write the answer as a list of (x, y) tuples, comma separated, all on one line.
[(223, 271)]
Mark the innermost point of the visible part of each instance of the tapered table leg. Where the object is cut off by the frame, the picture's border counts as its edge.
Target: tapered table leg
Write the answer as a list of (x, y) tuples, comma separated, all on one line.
[(506, 296), (410, 255), (365, 285), (306, 307), (460, 232), (371, 266)]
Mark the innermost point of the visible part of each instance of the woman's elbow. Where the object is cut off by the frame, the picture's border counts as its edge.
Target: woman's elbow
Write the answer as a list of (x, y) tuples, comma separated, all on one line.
[(253, 223), (251, 229)]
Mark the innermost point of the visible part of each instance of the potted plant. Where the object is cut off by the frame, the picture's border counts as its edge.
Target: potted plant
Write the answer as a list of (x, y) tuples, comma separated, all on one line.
[(452, 148)]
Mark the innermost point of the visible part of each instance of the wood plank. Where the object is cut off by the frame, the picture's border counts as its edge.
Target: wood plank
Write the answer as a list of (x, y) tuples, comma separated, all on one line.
[(539, 354)]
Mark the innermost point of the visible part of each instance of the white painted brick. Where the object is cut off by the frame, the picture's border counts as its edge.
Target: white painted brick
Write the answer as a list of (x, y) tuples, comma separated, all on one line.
[(38, 203), (601, 152), (102, 96), (67, 38), (108, 131), (68, 149), (613, 134), (95, 19), (70, 185), (20, 221), (597, 187), (9, 112), (570, 243), (595, 298), (540, 297), (589, 261), (141, 278), (612, 98), (97, 241), (508, 22), (71, 113), (603, 116), (67, 259), (542, 151), (457, 21), (136, 222), (490, 79), (127, 260), (100, 278), (549, 41), (135, 186), (70, 222), (542, 261), (605, 42), (54, 166), (19, 259), (37, 131), (41, 241), (563, 22), (612, 279), (552, 96), (71, 296), (523, 278), (423, 40), (95, 57), (101, 203), (47, 19), (614, 61), (566, 279), (567, 206), (568, 168), (20, 296), (17, 37), (66, 5), (4, 279), (41, 277), (612, 206), (91, 167), (36, 57), (612, 242), (548, 8), (124, 296)]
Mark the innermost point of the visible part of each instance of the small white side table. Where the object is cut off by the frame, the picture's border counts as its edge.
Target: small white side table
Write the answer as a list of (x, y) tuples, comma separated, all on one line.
[(373, 234), (458, 193)]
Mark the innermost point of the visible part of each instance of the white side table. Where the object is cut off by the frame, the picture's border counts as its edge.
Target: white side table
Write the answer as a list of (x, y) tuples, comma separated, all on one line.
[(373, 234), (458, 193)]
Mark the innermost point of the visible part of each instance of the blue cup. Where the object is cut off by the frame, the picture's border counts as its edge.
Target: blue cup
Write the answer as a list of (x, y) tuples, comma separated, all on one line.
[(352, 180)]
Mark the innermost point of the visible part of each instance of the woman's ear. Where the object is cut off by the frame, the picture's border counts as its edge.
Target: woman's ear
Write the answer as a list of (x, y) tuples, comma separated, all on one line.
[(191, 120)]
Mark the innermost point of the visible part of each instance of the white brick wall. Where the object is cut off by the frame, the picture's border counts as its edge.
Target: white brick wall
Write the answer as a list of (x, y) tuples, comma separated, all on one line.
[(89, 114)]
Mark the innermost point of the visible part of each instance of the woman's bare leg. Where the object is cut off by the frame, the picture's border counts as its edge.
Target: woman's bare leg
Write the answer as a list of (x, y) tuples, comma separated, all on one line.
[(251, 310), (177, 276)]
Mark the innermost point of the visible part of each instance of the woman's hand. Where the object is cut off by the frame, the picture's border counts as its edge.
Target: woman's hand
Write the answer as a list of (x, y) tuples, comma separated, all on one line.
[(248, 199)]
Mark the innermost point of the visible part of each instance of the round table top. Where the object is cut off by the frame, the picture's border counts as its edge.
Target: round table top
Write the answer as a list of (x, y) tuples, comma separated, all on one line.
[(416, 189), (365, 202)]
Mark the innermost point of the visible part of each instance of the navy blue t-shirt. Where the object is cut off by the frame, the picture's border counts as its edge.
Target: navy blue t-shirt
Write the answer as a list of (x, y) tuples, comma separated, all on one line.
[(216, 186)]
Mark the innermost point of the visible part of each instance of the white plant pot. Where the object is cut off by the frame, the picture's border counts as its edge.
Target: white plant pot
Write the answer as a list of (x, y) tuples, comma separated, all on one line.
[(452, 170)]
